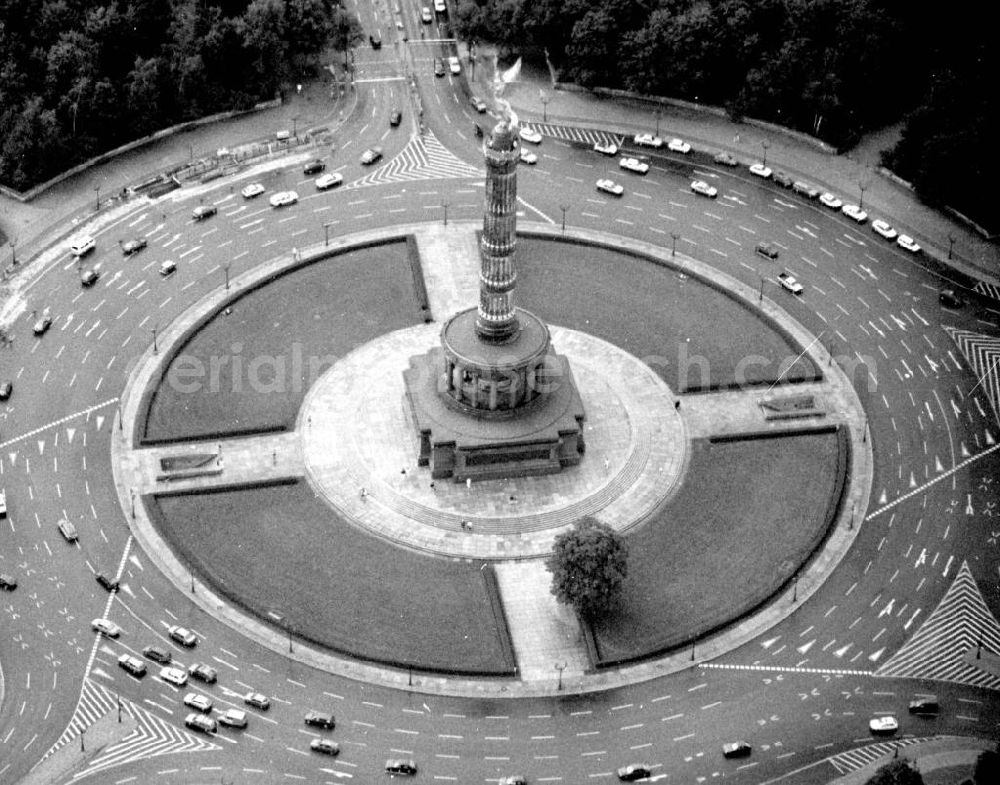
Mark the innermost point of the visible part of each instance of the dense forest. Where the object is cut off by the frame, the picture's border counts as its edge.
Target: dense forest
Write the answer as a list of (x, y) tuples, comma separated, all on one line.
[(831, 68), (79, 77)]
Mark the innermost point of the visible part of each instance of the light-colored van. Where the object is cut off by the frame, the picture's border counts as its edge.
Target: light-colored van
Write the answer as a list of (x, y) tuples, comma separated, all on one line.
[(168, 267), (83, 245), (805, 189)]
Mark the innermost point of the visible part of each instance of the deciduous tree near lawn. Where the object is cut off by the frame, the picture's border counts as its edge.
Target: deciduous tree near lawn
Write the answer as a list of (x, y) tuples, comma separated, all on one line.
[(588, 564), (899, 772)]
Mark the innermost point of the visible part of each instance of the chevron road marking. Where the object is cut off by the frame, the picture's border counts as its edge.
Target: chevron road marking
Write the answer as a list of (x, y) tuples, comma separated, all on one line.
[(423, 158), (82, 413), (937, 651), (982, 352)]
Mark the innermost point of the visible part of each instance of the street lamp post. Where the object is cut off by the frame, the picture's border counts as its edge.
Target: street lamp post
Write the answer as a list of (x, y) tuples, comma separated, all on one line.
[(97, 201), (13, 251), (560, 668), (445, 206), (764, 143), (326, 233), (153, 331), (545, 106), (862, 187), (564, 208), (295, 129), (225, 270), (795, 588), (951, 243), (131, 493), (674, 237), (657, 114)]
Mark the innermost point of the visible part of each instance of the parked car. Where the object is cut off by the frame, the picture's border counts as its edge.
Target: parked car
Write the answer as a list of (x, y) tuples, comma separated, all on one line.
[(7, 582), (478, 104), (257, 700), (788, 282), (156, 654), (314, 166), (827, 199), (703, 188), (67, 530), (252, 190), (110, 584), (883, 725), (233, 718), (530, 135), (610, 187), (320, 719), (182, 635), (196, 700), (325, 746), (883, 229), (203, 211), (397, 766), (135, 245), (331, 180), (634, 165), (283, 198), (202, 672), (132, 665), (907, 243), (647, 140), (767, 250), (855, 213), (805, 189), (606, 148), (736, 749), (106, 628), (678, 146), (82, 245), (371, 155), (201, 723), (782, 179), (89, 277), (633, 772), (174, 676), (761, 171), (726, 159)]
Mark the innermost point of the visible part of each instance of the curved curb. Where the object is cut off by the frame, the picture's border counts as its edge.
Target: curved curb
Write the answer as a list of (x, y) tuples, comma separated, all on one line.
[(811, 577)]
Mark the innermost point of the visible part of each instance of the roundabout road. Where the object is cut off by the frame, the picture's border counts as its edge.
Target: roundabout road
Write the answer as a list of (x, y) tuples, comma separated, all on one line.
[(907, 603)]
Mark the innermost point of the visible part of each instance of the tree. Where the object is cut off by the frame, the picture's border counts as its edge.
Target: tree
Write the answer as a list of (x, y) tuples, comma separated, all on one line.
[(899, 772), (987, 767), (588, 566)]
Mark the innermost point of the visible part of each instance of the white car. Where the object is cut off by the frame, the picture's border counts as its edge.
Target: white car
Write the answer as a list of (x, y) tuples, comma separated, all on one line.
[(439, 6), (528, 157), (761, 171), (283, 198), (174, 676), (634, 165), (233, 718), (107, 628), (610, 187), (882, 228), (83, 245), (703, 188), (258, 700), (200, 722), (331, 180), (648, 140), (831, 201), (133, 665), (252, 190), (883, 725), (908, 243), (530, 135), (606, 148), (788, 282), (426, 16), (678, 146), (454, 65), (855, 213), (198, 701), (182, 635)]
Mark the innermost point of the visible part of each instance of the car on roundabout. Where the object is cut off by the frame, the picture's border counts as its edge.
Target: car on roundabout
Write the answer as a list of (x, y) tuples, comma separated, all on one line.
[(132, 665), (827, 199), (610, 187), (530, 135), (331, 180), (201, 723), (788, 282), (855, 213), (175, 676), (633, 772), (196, 700), (371, 155), (133, 246), (647, 140), (925, 705), (42, 326), (426, 16), (233, 718), (314, 166), (907, 243), (83, 245), (253, 190), (883, 725), (454, 65), (202, 672), (326, 746), (106, 628), (107, 583), (767, 250), (759, 170), (156, 654), (949, 298), (182, 635), (395, 118), (883, 229), (478, 104), (438, 66), (6, 389), (736, 749), (7, 582), (399, 766), (283, 198), (704, 189), (67, 530), (203, 211), (258, 700), (678, 146), (606, 148), (633, 165), (320, 719), (89, 277), (528, 157), (726, 159)]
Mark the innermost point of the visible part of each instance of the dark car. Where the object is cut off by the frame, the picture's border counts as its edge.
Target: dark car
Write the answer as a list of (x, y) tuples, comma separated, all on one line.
[(736, 749), (633, 772), (375, 39), (397, 766), (320, 719), (156, 654), (925, 704), (325, 746), (438, 66), (89, 277), (203, 211), (395, 117), (951, 299), (767, 250), (202, 672), (7, 582), (133, 246), (313, 167), (108, 583), (782, 179)]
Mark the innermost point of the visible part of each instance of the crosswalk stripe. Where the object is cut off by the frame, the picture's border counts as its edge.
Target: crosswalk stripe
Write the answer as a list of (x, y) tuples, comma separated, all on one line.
[(852, 760), (570, 134)]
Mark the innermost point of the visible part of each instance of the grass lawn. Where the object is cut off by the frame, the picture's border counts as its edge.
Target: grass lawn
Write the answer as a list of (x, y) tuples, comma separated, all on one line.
[(280, 549), (278, 340), (727, 541), (645, 309)]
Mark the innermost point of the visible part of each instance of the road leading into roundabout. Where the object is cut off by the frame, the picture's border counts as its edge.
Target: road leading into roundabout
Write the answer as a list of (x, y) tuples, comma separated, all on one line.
[(799, 706)]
